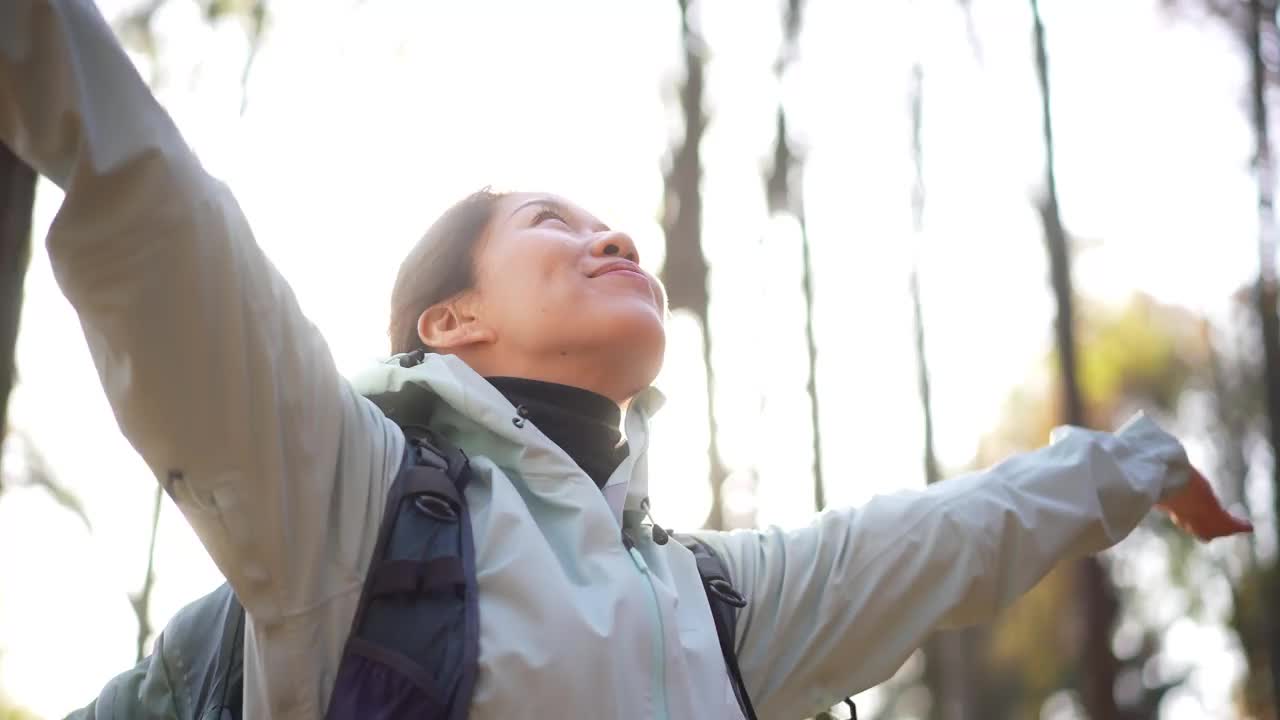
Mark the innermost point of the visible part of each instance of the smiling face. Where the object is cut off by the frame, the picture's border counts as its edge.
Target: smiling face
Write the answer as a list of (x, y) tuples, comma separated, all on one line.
[(558, 296)]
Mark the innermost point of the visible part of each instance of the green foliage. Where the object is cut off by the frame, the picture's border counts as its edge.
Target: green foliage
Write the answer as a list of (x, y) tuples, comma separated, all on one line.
[(1033, 642), (13, 712), (218, 9), (1142, 352)]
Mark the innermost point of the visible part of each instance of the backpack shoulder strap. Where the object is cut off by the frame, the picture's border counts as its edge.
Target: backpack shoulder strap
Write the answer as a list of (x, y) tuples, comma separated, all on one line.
[(414, 642), (725, 602)]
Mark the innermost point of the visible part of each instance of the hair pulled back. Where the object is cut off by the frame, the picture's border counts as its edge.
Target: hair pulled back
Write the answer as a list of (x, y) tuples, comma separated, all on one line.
[(440, 266)]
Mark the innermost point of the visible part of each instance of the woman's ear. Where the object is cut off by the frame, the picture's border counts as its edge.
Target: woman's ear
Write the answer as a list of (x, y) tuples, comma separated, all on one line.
[(453, 325)]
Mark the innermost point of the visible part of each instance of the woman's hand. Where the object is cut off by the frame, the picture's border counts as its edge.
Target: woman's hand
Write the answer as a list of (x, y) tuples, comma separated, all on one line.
[(1196, 510)]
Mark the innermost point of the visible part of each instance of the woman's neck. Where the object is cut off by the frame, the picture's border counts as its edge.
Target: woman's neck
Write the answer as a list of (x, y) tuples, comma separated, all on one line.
[(583, 423), (610, 377)]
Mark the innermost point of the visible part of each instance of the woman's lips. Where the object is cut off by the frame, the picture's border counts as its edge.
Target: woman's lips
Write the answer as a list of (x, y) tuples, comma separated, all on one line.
[(628, 271), (638, 278)]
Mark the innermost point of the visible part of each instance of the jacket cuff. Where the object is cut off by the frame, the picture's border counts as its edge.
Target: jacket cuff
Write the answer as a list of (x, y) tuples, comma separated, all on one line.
[(1153, 458)]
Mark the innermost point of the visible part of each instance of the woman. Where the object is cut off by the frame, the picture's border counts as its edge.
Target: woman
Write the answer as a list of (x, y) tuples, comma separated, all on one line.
[(524, 301)]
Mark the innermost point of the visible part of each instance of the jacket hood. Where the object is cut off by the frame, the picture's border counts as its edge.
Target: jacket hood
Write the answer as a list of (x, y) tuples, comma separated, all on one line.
[(454, 399)]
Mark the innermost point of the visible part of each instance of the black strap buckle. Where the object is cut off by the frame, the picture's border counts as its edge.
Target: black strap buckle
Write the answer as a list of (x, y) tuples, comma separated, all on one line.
[(726, 592), (438, 507)]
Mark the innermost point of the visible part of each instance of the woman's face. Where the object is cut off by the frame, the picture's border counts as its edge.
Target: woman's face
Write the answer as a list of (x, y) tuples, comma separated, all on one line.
[(562, 293)]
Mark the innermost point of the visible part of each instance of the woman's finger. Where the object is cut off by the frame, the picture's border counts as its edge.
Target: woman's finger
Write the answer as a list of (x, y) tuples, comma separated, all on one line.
[(1214, 525), (1232, 525)]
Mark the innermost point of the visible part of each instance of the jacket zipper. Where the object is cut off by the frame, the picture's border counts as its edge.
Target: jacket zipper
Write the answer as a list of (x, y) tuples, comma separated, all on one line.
[(660, 649)]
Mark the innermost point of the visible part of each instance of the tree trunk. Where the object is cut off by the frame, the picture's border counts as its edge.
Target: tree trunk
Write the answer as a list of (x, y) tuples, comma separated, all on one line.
[(811, 344), (685, 270), (948, 671), (141, 601), (785, 192), (931, 472), (17, 197), (1098, 664), (1263, 35), (1055, 238)]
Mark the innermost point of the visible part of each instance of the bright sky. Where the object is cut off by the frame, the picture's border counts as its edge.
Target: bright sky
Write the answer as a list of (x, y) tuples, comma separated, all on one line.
[(365, 119)]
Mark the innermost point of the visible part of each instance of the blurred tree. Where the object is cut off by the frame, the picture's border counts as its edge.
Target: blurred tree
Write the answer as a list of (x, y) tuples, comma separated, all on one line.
[(1251, 615), (948, 672), (136, 30), (1236, 425), (1099, 665), (1253, 23), (931, 472), (954, 680), (1263, 40), (17, 198), (1055, 239), (34, 470), (1142, 355), (141, 600), (684, 271), (785, 191)]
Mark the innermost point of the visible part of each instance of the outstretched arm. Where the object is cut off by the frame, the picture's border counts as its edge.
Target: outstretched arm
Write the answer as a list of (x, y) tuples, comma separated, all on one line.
[(214, 374), (836, 607)]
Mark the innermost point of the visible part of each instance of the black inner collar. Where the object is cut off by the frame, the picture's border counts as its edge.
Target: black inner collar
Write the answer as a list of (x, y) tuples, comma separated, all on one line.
[(583, 423)]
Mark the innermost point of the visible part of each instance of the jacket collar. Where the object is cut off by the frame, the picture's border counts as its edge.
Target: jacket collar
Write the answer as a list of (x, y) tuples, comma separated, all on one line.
[(472, 404)]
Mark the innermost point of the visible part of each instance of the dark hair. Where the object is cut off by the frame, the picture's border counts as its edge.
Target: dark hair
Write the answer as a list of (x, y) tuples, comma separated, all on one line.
[(439, 267)]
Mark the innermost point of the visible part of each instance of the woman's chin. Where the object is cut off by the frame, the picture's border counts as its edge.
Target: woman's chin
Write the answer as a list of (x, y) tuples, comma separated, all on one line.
[(647, 352), (641, 325), (637, 339)]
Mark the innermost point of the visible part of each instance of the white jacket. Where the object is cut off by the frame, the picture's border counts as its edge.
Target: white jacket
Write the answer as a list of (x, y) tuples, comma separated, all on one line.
[(281, 466)]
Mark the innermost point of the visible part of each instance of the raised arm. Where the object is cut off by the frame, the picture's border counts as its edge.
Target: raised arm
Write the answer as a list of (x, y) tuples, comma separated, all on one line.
[(214, 374), (837, 607)]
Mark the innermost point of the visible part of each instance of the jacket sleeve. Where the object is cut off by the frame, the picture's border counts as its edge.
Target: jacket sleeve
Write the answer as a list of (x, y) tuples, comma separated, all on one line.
[(838, 606), (197, 663), (215, 376)]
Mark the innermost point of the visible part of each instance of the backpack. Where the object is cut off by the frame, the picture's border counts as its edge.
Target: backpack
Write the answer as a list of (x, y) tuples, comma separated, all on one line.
[(414, 643)]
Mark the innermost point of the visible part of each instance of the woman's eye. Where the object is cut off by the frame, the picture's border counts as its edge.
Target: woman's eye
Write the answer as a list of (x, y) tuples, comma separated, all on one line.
[(546, 215)]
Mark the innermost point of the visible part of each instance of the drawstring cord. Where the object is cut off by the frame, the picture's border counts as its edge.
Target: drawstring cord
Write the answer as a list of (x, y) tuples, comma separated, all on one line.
[(660, 536)]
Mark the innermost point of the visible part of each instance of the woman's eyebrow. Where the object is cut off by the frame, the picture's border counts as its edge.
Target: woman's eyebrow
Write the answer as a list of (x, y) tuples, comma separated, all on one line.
[(561, 208), (542, 201)]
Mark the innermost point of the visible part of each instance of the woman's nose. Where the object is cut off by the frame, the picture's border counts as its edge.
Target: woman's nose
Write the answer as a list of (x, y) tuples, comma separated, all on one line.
[(615, 243)]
